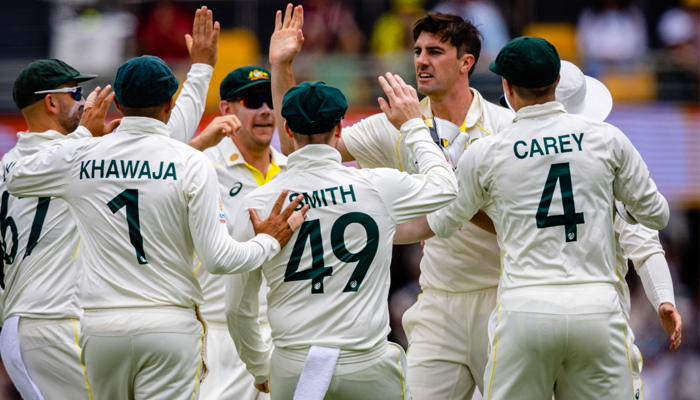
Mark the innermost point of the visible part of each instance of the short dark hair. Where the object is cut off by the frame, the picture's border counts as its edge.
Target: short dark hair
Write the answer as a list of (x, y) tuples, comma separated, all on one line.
[(461, 33), (531, 94)]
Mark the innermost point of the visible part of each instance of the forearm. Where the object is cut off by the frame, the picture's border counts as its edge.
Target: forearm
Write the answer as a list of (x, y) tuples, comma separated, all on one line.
[(282, 80), (657, 282), (431, 161), (232, 257), (190, 103), (413, 231)]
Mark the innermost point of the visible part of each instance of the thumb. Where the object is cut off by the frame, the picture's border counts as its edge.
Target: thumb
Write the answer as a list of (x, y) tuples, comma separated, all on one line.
[(188, 41), (112, 125)]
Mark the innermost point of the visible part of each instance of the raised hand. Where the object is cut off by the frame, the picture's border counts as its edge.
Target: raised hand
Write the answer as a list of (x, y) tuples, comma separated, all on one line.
[(286, 42), (96, 107), (218, 128), (403, 102), (203, 45), (277, 225), (671, 322), (263, 387)]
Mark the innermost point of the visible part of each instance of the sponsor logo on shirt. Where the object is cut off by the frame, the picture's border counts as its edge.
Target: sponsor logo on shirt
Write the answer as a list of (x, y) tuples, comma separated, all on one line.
[(222, 215), (235, 189)]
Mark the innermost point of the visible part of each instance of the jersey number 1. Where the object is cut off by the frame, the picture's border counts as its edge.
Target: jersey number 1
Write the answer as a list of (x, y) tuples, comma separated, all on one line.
[(570, 219), (311, 230), (129, 198)]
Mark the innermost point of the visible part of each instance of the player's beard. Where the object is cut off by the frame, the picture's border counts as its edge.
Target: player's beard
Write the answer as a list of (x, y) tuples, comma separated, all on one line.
[(69, 115)]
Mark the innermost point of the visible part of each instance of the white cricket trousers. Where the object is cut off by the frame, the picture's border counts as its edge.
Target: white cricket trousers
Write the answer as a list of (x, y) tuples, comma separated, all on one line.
[(49, 350), (154, 353), (571, 333), (358, 375), (228, 377), (448, 343)]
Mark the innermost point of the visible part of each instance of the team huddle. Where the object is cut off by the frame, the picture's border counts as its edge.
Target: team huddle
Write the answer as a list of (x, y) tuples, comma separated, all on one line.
[(143, 263)]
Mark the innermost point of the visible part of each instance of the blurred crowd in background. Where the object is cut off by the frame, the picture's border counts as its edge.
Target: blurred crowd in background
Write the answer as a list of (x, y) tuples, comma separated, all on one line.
[(647, 52)]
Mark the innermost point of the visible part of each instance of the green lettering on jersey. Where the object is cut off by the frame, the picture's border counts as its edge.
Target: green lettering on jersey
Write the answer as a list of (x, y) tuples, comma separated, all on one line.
[(170, 172), (160, 172), (515, 149), (578, 140), (331, 190), (83, 169), (550, 142), (350, 192), (112, 169), (535, 148), (100, 168), (129, 169), (563, 143), (145, 170), (310, 230), (313, 201)]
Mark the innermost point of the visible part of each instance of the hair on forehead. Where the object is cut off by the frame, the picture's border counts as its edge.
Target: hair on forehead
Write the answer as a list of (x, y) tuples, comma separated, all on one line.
[(460, 33)]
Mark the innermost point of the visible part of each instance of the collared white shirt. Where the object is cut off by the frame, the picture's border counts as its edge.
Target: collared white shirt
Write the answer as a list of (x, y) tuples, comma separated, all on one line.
[(44, 283), (236, 179), (143, 203), (551, 177), (329, 286), (469, 259)]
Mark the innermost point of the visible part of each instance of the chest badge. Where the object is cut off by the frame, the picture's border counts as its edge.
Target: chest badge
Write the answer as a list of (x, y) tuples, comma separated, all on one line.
[(236, 189)]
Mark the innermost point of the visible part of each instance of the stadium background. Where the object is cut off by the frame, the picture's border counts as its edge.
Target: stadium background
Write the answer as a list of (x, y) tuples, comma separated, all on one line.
[(646, 51)]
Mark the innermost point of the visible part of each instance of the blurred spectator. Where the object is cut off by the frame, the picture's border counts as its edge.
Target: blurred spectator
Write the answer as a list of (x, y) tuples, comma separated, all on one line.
[(329, 27), (612, 31), (162, 31), (486, 16), (393, 30), (91, 40), (680, 36)]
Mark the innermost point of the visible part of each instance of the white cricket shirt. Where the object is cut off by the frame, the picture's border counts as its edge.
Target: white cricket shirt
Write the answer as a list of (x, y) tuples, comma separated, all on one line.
[(236, 180), (42, 281), (329, 285), (552, 177), (143, 203), (469, 259)]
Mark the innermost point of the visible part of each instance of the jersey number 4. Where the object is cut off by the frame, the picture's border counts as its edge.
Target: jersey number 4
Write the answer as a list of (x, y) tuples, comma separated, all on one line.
[(570, 219), (129, 198), (311, 230), (9, 253)]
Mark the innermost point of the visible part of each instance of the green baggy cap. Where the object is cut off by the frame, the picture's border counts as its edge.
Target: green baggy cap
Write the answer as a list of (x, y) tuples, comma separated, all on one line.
[(43, 75), (143, 82), (241, 79), (311, 108), (528, 62)]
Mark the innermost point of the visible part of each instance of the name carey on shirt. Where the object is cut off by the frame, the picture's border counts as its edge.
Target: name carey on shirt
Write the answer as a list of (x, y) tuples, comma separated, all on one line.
[(548, 145), (326, 197), (127, 169)]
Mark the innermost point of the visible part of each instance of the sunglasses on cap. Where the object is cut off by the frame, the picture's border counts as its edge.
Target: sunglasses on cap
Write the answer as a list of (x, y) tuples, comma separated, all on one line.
[(254, 101), (75, 91)]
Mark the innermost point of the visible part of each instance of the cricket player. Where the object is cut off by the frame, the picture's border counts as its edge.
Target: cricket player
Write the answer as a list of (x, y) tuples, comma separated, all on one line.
[(40, 238), (143, 204), (558, 314), (243, 162), (327, 306), (459, 275)]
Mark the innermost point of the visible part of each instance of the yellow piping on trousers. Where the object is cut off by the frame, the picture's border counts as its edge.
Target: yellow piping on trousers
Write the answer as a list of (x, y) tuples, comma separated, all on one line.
[(196, 382), (78, 346)]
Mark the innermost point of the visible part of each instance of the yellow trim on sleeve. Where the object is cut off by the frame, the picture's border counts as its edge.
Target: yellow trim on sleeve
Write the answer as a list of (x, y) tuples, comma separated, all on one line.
[(197, 269), (495, 348), (485, 131), (273, 170), (196, 382), (77, 247), (397, 152), (75, 327), (403, 391)]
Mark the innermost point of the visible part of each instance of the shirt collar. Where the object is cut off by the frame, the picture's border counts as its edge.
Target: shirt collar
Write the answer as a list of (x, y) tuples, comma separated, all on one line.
[(143, 124), (473, 114), (539, 110), (233, 156), (313, 155), (30, 140)]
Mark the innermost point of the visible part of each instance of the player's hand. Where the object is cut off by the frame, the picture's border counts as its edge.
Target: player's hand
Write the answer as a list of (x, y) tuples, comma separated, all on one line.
[(277, 225), (671, 322), (218, 128), (286, 42), (203, 45), (96, 107), (403, 102), (263, 387)]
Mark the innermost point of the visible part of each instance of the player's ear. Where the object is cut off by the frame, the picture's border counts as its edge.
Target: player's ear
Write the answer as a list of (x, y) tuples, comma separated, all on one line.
[(338, 129), (467, 62), (287, 130), (51, 104), (225, 108), (116, 104)]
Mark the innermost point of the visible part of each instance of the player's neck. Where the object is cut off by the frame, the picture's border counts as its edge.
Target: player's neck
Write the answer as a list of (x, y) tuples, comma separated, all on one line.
[(454, 106), (258, 157), (39, 125)]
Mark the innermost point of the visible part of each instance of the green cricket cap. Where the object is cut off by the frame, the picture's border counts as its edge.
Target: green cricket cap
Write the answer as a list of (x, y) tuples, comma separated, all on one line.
[(528, 62), (311, 108), (43, 75), (241, 79), (143, 82)]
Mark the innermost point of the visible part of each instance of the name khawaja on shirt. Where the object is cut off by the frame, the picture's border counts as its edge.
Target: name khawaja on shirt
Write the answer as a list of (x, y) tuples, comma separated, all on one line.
[(559, 144), (126, 169), (318, 198)]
